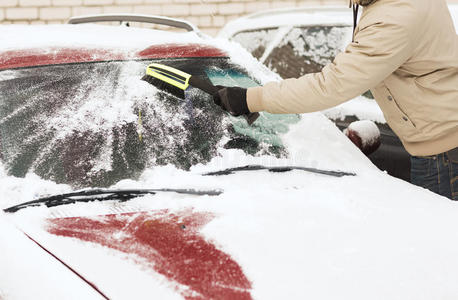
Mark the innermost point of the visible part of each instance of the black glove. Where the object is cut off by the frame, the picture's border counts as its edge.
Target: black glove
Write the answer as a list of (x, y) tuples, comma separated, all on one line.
[(232, 100)]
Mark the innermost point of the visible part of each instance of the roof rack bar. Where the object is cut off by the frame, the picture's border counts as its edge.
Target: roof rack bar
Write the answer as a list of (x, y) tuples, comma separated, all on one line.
[(160, 20)]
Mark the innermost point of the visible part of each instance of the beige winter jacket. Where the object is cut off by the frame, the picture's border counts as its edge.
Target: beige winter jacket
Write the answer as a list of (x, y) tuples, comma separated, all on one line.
[(406, 52)]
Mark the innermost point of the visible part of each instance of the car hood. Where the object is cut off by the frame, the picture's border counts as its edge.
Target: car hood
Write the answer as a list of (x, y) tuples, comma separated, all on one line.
[(288, 235)]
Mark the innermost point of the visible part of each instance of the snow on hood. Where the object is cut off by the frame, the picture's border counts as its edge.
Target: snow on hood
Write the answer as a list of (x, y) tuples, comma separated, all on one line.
[(36, 274), (352, 233), (296, 228)]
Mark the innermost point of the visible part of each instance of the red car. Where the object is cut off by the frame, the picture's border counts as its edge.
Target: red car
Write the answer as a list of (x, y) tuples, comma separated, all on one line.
[(114, 188)]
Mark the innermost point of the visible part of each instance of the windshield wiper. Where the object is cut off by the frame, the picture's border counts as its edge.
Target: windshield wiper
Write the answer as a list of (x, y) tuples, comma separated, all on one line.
[(277, 169), (103, 195)]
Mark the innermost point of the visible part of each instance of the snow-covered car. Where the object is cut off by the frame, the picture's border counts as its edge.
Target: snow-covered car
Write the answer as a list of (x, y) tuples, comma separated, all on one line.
[(296, 41), (114, 188)]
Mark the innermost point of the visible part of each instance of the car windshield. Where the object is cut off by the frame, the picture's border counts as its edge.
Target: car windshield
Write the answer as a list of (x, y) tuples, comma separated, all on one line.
[(93, 124)]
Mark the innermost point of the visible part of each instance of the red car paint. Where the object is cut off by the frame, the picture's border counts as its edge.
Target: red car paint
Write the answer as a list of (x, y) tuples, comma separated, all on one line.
[(54, 56), (172, 246)]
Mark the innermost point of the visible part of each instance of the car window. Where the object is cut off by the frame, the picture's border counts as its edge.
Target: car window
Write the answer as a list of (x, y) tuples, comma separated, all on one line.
[(93, 124), (307, 49), (255, 41)]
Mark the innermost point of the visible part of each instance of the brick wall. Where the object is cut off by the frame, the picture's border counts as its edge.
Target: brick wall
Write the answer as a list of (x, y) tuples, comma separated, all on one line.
[(209, 15)]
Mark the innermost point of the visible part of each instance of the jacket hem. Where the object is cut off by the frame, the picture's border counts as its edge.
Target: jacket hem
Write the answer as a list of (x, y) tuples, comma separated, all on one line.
[(433, 147)]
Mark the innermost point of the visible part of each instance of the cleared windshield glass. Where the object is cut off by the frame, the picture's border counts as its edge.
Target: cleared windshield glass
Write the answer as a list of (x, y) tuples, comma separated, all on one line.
[(94, 124)]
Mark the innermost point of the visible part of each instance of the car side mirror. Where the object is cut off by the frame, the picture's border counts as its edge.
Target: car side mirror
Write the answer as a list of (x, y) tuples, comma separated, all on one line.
[(365, 135)]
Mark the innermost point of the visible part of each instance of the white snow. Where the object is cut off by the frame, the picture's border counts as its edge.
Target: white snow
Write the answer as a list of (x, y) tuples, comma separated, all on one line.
[(14, 190), (241, 57), (274, 42), (287, 17), (454, 12), (300, 233), (294, 234), (367, 131), (125, 39), (297, 235), (111, 110), (361, 107), (34, 274), (317, 45)]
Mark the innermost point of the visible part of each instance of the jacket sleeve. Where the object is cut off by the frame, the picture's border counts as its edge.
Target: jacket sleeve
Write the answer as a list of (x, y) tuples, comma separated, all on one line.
[(378, 50)]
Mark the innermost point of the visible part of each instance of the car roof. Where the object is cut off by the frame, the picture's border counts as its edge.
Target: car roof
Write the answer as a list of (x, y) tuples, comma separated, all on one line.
[(294, 16), (25, 45)]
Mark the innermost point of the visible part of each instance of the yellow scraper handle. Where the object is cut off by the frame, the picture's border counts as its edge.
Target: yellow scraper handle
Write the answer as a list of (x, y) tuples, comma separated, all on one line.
[(170, 75)]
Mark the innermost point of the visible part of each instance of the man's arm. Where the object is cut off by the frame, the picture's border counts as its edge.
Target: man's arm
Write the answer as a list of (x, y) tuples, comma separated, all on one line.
[(379, 50)]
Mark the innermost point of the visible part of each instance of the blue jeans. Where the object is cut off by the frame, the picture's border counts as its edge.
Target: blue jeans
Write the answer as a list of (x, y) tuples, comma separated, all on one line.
[(437, 173)]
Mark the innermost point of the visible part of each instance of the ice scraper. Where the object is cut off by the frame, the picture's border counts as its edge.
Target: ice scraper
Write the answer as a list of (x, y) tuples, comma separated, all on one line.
[(179, 81)]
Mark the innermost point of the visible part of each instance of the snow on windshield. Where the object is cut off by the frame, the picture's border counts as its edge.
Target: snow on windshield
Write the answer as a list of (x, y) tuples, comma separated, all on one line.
[(85, 121), (94, 124), (110, 111)]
